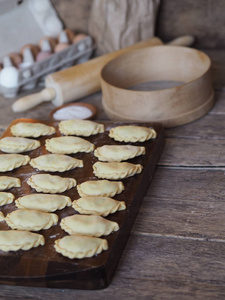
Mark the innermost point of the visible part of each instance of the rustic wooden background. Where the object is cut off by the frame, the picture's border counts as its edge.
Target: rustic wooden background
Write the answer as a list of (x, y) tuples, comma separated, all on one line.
[(202, 18), (177, 246)]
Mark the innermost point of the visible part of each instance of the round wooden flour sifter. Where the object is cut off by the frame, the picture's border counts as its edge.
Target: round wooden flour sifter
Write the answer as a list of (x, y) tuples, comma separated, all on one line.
[(173, 106)]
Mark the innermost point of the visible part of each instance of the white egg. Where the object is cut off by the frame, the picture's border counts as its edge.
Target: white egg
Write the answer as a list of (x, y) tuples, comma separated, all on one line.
[(9, 74)]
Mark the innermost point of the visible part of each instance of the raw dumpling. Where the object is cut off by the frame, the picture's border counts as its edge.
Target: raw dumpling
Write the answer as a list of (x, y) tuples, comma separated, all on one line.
[(55, 163), (80, 127), (132, 133), (116, 170), (88, 225), (27, 129), (6, 198), (100, 188), (12, 144), (9, 162), (7, 182), (31, 220), (78, 246), (102, 206), (13, 240), (47, 183), (2, 218), (68, 145), (43, 202), (118, 153)]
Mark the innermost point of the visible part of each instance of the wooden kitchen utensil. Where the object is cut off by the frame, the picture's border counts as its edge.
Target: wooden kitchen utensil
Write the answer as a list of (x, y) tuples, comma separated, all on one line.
[(81, 80), (173, 106)]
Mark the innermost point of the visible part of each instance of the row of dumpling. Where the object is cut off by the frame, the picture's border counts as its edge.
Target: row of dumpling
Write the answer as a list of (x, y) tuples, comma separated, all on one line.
[(33, 219), (35, 216), (22, 221), (69, 145), (101, 190), (16, 239), (34, 213), (78, 224)]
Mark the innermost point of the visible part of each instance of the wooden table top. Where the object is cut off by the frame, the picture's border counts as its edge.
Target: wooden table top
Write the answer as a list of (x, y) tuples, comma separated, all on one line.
[(176, 249)]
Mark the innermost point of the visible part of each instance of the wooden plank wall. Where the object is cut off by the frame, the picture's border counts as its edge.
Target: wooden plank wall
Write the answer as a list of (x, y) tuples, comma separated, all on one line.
[(202, 18)]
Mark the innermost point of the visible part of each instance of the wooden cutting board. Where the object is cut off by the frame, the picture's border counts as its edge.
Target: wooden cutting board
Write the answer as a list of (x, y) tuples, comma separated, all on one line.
[(43, 266)]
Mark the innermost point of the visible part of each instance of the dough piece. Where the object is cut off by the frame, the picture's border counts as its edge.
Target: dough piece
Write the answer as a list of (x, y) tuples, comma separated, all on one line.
[(2, 218), (100, 188), (30, 219), (88, 225), (6, 198), (68, 145), (26, 129), (12, 144), (7, 182), (55, 163), (80, 127), (9, 162), (102, 206), (118, 153), (79, 246), (47, 183), (13, 240), (116, 170), (43, 202), (132, 133)]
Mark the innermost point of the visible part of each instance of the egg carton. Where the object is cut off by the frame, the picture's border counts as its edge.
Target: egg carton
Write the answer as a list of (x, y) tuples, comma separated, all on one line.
[(26, 22), (34, 76), (32, 20)]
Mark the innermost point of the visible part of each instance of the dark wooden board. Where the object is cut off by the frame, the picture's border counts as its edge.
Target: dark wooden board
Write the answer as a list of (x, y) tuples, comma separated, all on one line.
[(43, 266)]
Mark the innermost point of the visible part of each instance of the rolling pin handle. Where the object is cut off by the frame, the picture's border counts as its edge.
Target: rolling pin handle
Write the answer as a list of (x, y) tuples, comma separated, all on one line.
[(185, 40), (27, 102), (48, 94)]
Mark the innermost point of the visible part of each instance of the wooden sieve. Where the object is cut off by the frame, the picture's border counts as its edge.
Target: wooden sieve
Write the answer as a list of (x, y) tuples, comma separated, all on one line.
[(173, 106)]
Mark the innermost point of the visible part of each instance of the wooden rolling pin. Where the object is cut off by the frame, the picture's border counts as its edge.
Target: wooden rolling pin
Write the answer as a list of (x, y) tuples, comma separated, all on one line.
[(81, 80)]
